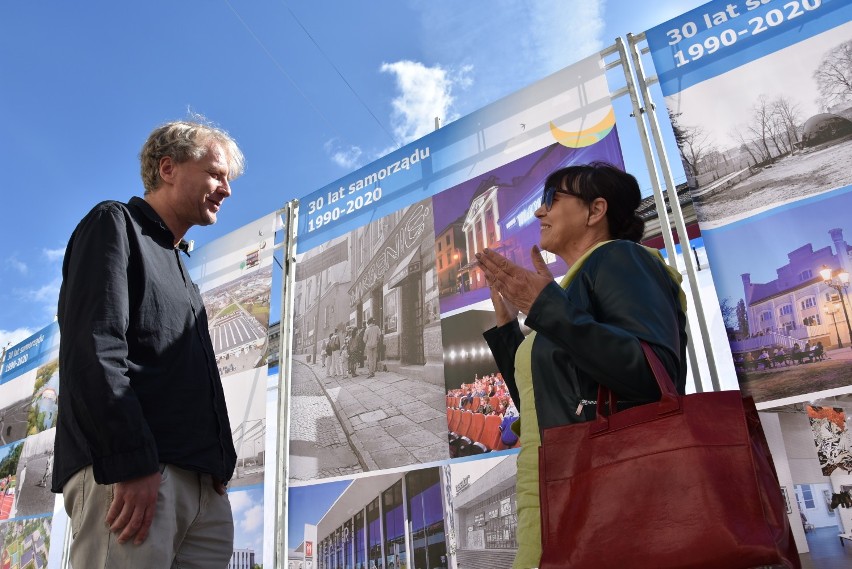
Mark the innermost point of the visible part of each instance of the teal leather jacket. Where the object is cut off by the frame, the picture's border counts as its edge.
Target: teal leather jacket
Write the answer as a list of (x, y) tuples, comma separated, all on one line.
[(588, 334)]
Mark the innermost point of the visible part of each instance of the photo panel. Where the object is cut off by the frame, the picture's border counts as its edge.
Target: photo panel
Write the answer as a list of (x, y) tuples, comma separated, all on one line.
[(788, 329), (16, 402), (10, 479), (497, 210), (392, 519), (234, 276), (33, 476), (811, 448), (482, 510), (25, 543), (480, 410), (247, 509), (45, 402), (368, 382), (757, 137), (245, 397)]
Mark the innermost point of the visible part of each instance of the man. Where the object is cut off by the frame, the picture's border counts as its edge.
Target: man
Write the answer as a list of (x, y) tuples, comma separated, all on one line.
[(372, 337), (143, 443)]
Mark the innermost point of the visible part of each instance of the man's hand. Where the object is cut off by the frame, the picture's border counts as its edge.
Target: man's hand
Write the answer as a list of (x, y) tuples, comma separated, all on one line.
[(516, 285), (134, 504)]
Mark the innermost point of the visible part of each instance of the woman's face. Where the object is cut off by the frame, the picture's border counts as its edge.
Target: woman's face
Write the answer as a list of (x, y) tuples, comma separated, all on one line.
[(564, 224)]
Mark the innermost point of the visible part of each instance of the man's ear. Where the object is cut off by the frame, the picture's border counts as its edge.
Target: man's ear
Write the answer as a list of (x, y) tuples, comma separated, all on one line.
[(597, 211), (167, 169)]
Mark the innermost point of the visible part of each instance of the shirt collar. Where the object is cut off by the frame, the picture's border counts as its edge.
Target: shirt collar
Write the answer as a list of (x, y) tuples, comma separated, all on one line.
[(156, 222)]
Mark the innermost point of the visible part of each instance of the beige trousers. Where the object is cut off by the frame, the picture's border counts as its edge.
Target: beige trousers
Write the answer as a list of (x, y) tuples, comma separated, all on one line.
[(192, 529)]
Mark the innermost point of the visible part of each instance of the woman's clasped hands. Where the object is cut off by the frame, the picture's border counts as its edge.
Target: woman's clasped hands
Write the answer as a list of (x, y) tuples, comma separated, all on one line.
[(513, 287)]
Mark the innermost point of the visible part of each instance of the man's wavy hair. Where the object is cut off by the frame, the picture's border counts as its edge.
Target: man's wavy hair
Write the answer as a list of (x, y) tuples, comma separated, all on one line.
[(184, 141)]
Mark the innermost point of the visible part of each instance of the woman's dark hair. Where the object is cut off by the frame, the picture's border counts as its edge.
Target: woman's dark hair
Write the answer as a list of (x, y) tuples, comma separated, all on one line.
[(601, 180)]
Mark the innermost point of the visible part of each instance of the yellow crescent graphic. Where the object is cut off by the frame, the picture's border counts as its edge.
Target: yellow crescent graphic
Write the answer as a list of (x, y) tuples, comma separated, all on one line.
[(585, 137)]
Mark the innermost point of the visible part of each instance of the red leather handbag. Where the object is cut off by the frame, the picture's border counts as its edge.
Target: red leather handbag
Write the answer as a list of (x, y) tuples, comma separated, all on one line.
[(684, 483)]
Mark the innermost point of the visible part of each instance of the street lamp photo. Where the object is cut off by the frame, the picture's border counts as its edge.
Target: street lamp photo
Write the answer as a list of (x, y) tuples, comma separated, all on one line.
[(839, 282), (833, 309)]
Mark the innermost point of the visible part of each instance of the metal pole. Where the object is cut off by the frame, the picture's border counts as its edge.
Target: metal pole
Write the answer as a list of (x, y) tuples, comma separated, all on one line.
[(285, 368), (836, 329), (674, 202), (845, 313), (660, 201)]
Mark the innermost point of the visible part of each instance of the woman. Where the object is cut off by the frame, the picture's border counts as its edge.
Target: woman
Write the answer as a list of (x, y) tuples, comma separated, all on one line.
[(586, 331)]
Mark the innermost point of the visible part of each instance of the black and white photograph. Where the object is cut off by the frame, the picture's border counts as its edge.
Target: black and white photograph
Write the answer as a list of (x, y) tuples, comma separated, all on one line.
[(784, 294), (769, 132), (245, 396), (17, 396), (484, 518), (35, 467), (819, 504), (368, 373)]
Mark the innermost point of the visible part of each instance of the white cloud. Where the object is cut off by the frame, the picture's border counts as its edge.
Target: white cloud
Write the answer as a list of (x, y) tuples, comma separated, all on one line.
[(14, 336), (48, 293), (345, 157), (17, 265), (54, 254), (240, 501), (252, 519), (424, 93)]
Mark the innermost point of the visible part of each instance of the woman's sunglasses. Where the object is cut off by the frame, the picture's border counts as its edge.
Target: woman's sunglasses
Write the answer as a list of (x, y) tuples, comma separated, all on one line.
[(547, 197)]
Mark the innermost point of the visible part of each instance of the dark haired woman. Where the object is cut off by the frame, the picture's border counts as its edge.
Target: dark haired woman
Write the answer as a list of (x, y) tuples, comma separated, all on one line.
[(586, 330)]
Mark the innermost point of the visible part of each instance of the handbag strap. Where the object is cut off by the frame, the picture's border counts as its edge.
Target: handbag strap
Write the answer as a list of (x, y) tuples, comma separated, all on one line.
[(669, 401)]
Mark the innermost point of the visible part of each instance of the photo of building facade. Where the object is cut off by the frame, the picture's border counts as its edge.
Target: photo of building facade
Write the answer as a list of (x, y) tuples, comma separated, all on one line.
[(496, 210), (390, 521), (384, 270), (484, 512), (798, 306)]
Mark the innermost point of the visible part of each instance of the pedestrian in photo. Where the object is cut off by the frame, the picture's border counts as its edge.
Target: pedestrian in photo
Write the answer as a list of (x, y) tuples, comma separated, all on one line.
[(355, 350), (362, 359), (372, 338), (344, 352), (329, 368), (143, 446)]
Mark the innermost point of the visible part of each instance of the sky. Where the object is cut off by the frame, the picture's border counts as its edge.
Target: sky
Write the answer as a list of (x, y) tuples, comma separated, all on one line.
[(308, 504), (310, 91), (247, 507)]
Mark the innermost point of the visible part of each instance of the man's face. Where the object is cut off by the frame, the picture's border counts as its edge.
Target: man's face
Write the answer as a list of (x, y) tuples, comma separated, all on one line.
[(201, 186)]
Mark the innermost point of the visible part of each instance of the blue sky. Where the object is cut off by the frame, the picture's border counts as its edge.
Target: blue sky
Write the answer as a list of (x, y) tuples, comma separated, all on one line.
[(307, 505), (247, 507), (311, 91)]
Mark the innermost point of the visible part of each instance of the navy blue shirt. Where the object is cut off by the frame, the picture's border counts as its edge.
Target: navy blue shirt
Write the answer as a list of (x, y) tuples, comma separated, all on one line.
[(138, 382)]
